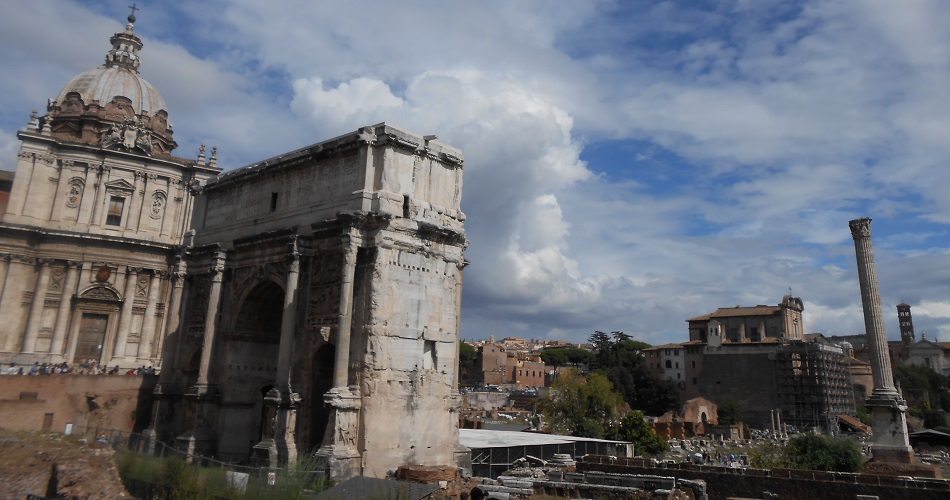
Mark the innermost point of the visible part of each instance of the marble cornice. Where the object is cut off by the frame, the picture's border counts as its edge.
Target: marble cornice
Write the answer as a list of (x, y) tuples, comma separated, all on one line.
[(61, 233), (100, 152)]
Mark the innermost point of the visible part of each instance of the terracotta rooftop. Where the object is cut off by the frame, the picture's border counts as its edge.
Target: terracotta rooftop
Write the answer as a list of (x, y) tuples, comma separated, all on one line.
[(730, 312)]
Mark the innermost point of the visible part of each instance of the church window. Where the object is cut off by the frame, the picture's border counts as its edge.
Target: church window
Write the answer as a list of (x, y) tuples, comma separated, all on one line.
[(114, 217)]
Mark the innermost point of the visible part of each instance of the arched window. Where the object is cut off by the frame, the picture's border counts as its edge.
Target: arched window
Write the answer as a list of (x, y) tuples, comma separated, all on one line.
[(669, 364)]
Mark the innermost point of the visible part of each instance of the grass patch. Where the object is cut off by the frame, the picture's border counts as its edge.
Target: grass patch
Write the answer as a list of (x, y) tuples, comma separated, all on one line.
[(148, 476)]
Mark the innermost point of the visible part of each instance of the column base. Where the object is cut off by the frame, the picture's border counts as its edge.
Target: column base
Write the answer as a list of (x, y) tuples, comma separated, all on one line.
[(889, 438), (278, 447), (200, 408), (339, 443)]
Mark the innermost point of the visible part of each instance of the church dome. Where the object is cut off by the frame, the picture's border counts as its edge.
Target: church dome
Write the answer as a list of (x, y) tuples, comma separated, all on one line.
[(113, 106), (104, 83)]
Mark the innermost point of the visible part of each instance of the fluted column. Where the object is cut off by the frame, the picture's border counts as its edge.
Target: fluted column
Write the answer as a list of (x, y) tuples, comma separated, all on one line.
[(288, 324), (125, 315), (890, 439), (65, 303), (36, 308), (148, 324), (345, 321), (280, 403), (217, 276), (871, 300), (342, 433)]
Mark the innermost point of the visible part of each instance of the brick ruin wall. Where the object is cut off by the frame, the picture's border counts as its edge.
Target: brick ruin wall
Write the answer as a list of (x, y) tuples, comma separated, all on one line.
[(49, 402)]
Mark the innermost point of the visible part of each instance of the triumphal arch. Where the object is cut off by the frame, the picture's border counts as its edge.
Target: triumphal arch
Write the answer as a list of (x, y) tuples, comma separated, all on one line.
[(320, 312)]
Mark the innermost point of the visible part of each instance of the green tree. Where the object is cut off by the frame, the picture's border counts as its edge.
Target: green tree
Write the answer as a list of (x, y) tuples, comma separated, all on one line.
[(641, 388), (729, 413), (467, 359), (634, 428), (924, 388), (620, 336), (599, 339), (563, 356), (813, 452), (581, 407)]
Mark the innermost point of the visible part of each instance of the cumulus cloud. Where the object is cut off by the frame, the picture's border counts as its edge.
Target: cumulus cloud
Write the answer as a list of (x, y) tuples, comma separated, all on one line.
[(628, 164)]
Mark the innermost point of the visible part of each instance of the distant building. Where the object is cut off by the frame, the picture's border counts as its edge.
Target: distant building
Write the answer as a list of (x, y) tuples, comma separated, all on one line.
[(759, 358), (906, 323), (930, 353), (753, 324), (668, 361), (510, 366)]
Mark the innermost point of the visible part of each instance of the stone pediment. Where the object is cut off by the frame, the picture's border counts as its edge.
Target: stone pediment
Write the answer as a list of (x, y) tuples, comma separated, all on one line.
[(120, 185)]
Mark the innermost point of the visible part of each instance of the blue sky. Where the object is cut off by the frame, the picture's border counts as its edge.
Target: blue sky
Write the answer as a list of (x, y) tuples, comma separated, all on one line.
[(629, 164)]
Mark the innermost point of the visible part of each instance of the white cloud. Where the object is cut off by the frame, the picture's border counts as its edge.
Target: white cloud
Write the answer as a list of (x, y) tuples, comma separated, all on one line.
[(756, 130)]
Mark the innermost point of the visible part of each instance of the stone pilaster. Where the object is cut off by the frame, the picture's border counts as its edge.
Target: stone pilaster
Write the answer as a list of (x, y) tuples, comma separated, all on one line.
[(36, 308), (100, 205), (62, 315), (135, 201), (887, 407), (148, 323), (170, 354), (125, 315)]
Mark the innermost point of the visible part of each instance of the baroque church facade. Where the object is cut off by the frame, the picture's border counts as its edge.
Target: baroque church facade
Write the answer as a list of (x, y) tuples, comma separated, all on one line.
[(307, 303)]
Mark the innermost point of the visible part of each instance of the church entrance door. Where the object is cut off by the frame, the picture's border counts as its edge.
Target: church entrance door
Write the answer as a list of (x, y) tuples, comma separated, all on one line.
[(92, 334)]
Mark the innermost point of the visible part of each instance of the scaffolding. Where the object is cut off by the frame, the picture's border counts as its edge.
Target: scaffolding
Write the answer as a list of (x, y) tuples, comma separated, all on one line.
[(814, 385)]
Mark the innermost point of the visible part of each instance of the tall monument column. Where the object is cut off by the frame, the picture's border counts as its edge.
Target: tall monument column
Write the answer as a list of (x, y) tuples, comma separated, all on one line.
[(888, 420)]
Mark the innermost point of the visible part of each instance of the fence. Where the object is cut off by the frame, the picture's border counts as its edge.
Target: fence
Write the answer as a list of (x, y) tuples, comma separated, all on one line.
[(259, 480)]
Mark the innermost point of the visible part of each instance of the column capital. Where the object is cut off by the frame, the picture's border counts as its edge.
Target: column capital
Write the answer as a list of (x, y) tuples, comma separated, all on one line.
[(132, 270), (860, 228)]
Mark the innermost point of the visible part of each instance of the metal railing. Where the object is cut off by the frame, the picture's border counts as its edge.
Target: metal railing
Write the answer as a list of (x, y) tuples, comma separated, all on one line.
[(249, 477)]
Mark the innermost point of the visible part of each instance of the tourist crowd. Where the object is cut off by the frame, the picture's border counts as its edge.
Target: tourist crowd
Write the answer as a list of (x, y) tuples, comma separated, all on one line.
[(84, 367)]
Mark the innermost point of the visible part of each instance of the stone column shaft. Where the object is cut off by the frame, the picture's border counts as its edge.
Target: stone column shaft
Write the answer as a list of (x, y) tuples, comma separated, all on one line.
[(125, 315), (36, 309), (148, 325), (871, 300), (344, 325), (217, 276), (288, 326), (169, 359), (65, 302), (888, 421)]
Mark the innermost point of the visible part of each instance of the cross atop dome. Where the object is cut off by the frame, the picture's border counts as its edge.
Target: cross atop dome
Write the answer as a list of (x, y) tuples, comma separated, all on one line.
[(125, 46)]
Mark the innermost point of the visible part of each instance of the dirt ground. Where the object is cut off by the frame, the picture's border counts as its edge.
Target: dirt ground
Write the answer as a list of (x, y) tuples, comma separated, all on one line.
[(27, 461)]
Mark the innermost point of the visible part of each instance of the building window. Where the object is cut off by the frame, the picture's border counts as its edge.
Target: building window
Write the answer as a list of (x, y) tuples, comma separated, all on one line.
[(114, 217), (677, 364), (273, 202), (669, 364), (694, 364)]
